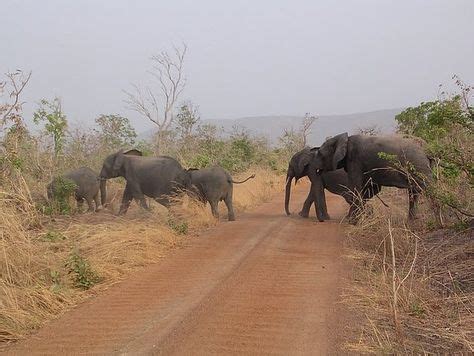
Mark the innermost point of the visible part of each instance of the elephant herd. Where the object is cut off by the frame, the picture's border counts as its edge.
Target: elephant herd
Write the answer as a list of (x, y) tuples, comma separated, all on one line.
[(155, 177), (355, 167)]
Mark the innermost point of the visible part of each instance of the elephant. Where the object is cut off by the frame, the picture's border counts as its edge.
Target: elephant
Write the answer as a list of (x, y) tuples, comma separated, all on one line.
[(214, 184), (87, 187), (334, 181), (156, 177), (390, 161)]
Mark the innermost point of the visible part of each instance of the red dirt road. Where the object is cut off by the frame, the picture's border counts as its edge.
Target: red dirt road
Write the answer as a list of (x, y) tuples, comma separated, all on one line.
[(264, 284)]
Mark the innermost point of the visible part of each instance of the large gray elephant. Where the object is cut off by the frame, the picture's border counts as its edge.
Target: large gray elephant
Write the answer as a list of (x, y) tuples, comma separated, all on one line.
[(87, 187), (156, 177), (390, 161), (213, 185), (334, 181)]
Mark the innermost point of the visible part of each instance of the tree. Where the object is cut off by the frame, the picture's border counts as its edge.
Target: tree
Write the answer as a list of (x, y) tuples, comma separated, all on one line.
[(294, 140), (116, 131), (186, 120), (51, 113), (446, 127), (306, 125), (372, 130), (291, 140), (13, 87), (167, 70)]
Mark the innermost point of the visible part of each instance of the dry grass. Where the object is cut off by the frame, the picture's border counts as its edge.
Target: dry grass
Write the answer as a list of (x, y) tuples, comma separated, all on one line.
[(36, 279), (413, 287)]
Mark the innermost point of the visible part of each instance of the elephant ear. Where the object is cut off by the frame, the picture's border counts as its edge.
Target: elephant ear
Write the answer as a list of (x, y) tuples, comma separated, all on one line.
[(304, 160), (341, 149), (333, 151), (133, 152), (118, 161)]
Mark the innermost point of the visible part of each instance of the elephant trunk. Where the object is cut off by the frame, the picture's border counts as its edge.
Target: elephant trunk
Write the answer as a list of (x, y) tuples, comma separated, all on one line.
[(103, 191), (289, 178)]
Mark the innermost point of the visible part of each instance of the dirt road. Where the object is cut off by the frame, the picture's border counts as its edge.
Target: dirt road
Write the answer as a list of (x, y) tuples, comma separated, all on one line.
[(265, 284)]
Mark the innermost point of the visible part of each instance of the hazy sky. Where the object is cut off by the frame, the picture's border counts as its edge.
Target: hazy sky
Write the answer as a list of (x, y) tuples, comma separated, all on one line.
[(245, 58)]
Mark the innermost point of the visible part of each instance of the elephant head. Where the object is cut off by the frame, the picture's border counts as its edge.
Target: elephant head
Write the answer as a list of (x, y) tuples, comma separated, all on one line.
[(297, 168), (112, 168), (332, 154)]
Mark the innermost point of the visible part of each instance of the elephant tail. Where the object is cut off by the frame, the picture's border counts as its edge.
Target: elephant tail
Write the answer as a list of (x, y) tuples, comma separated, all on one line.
[(243, 181)]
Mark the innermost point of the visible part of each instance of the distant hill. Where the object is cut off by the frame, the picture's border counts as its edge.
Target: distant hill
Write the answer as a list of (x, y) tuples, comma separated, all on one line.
[(327, 125)]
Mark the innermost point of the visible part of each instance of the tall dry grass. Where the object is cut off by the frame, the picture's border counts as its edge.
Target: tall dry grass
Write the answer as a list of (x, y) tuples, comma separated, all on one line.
[(413, 287), (37, 282)]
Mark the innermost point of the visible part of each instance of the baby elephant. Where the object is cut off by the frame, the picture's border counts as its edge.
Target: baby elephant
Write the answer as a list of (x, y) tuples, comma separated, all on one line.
[(87, 187), (214, 184)]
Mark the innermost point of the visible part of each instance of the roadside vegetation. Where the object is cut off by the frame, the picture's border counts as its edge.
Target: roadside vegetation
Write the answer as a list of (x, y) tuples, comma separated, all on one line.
[(412, 283)]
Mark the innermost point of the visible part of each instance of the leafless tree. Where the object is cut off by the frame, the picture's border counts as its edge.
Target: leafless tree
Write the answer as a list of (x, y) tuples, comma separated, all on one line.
[(12, 88), (306, 125), (158, 107), (372, 130)]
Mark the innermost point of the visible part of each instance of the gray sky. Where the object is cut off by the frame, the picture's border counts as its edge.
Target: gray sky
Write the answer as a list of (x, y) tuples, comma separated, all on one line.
[(245, 58)]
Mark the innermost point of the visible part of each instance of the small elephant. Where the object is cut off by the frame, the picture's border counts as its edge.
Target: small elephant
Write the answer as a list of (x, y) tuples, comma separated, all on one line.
[(214, 184), (156, 177), (389, 161), (87, 187), (334, 181)]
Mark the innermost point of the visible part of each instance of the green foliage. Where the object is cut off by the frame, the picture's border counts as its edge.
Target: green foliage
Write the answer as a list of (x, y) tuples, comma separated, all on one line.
[(199, 161), (116, 131), (53, 236), (55, 122), (447, 128), (63, 188), (240, 155), (406, 167), (186, 120), (179, 227), (81, 272)]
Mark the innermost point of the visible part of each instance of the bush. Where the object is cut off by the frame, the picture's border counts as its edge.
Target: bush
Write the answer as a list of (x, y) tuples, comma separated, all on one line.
[(63, 189), (447, 127), (82, 274), (179, 227)]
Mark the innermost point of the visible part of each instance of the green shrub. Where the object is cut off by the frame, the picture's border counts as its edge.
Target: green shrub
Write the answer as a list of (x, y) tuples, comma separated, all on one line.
[(179, 227), (63, 189), (447, 127), (81, 272), (54, 236)]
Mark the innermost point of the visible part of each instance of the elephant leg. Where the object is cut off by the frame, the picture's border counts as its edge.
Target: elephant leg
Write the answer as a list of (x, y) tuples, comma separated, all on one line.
[(97, 202), (163, 201), (230, 208), (356, 197), (304, 213), (317, 190), (214, 205), (126, 200), (90, 205), (324, 206), (413, 196)]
